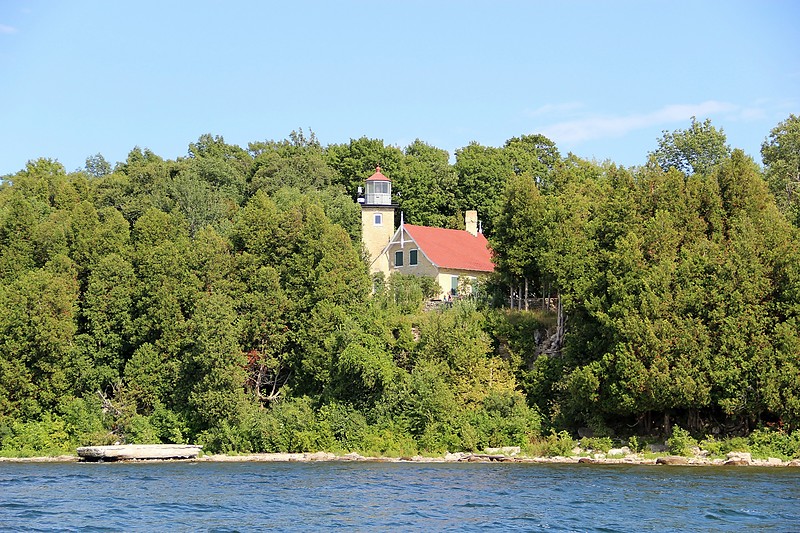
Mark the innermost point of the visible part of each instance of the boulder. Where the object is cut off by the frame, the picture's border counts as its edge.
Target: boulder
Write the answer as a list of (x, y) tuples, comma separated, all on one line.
[(320, 456), (697, 452), (740, 456), (352, 456), (620, 451), (736, 462), (505, 450), (672, 460)]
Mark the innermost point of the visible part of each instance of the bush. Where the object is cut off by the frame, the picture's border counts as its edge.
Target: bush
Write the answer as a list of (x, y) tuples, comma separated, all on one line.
[(555, 444), (389, 440), (680, 442), (766, 443), (504, 420), (721, 448), (346, 424), (597, 444), (635, 444), (47, 436)]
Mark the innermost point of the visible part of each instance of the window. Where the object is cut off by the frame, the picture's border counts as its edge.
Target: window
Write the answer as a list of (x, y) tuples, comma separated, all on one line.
[(378, 219), (454, 285), (413, 257), (398, 258)]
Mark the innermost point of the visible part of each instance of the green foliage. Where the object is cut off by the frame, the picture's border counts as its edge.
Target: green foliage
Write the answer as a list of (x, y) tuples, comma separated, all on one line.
[(504, 419), (221, 298), (721, 448), (406, 292), (680, 442), (597, 444), (765, 443), (636, 445), (80, 422), (781, 155), (293, 426), (555, 444), (692, 151)]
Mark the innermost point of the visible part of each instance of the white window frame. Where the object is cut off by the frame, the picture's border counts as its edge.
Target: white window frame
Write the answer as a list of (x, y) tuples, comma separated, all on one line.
[(398, 253), (377, 219), (413, 257)]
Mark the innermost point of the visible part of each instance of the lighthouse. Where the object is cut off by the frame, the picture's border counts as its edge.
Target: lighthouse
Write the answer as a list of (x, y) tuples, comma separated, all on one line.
[(377, 220)]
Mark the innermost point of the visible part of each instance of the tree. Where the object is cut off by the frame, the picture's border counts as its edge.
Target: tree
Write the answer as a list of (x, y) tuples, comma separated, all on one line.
[(535, 155), (425, 187), (355, 161), (520, 230), (37, 327), (482, 174), (297, 162), (781, 155), (692, 151), (214, 366), (97, 166)]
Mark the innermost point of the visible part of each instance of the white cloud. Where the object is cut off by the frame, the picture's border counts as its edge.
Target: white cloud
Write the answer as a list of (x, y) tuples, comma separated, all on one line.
[(7, 30), (598, 127)]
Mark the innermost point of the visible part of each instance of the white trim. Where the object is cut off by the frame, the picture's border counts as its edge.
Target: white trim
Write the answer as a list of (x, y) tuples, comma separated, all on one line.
[(401, 236)]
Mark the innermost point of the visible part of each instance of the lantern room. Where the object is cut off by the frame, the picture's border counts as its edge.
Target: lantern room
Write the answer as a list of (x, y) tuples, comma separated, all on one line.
[(379, 189)]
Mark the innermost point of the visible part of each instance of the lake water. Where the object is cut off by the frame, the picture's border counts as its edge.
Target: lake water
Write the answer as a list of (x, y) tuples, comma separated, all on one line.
[(394, 497)]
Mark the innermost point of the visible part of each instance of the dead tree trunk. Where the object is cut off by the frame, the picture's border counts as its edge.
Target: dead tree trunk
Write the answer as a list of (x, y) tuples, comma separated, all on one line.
[(560, 324), (526, 294)]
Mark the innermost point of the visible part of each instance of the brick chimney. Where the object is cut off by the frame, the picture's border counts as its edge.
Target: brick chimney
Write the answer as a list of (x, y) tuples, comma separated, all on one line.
[(471, 222)]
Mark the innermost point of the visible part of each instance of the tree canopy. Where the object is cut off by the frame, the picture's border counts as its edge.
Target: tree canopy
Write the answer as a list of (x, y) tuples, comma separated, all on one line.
[(222, 297)]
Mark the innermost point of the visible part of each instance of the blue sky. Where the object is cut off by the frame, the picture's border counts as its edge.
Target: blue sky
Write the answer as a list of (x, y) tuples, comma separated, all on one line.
[(601, 79)]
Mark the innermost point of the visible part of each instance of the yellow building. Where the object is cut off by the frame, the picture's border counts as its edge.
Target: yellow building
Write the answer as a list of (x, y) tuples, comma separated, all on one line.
[(443, 254)]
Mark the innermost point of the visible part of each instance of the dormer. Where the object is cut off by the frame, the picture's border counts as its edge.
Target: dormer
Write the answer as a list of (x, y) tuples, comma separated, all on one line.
[(379, 189)]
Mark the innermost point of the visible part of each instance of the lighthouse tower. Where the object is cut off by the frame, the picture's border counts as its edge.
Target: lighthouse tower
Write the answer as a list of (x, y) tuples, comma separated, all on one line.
[(377, 220)]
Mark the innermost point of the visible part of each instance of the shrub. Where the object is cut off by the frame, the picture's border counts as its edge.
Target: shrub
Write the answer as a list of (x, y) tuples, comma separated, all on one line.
[(47, 436), (599, 444), (635, 444), (346, 424), (680, 442), (767, 443), (292, 426), (504, 419), (555, 444)]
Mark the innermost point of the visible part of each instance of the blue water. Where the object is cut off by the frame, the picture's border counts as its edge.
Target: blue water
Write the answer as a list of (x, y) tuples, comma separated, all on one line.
[(394, 497)]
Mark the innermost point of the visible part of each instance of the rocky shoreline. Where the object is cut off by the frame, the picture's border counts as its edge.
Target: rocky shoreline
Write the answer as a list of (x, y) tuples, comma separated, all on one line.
[(492, 456)]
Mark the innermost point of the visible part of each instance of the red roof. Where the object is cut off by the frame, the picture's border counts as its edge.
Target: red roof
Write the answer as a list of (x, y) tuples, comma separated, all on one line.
[(378, 176), (453, 248)]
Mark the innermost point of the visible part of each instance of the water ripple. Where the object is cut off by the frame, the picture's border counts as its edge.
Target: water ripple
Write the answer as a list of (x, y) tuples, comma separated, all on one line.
[(389, 496)]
